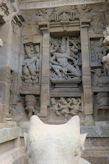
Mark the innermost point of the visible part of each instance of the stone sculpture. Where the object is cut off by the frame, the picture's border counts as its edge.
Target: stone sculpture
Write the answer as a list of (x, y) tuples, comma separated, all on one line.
[(31, 64), (70, 13), (31, 105), (66, 106), (64, 60), (55, 144)]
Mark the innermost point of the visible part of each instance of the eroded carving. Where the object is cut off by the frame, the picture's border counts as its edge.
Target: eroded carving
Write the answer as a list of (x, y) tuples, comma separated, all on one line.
[(99, 73), (31, 65), (31, 105), (101, 106), (59, 14), (97, 51), (66, 106), (98, 23), (64, 61)]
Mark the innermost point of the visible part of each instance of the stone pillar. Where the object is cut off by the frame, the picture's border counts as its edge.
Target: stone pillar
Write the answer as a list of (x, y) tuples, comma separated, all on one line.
[(5, 34), (45, 71), (9, 53), (86, 74)]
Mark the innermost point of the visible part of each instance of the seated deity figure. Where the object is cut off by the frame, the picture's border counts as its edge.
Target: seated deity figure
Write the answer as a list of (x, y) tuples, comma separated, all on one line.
[(54, 144)]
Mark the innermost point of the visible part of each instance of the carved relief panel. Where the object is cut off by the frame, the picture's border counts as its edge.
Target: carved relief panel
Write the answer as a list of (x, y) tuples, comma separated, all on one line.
[(99, 73), (65, 56), (63, 108), (31, 65), (63, 14)]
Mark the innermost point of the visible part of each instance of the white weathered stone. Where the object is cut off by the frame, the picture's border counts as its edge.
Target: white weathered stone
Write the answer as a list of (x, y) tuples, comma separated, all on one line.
[(1, 42), (105, 60), (56, 144)]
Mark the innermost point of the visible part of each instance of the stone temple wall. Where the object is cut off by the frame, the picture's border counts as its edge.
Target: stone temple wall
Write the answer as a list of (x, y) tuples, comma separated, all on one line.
[(51, 65), (62, 70)]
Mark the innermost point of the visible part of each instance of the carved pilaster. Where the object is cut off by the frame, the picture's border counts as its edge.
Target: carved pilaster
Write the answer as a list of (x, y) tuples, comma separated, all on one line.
[(44, 70), (86, 73)]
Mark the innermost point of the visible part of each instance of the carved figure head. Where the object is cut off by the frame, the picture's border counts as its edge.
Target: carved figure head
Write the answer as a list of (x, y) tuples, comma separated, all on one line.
[(37, 48), (29, 50), (57, 144), (30, 99)]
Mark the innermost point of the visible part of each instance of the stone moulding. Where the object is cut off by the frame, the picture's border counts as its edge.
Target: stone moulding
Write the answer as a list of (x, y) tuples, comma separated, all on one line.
[(58, 3)]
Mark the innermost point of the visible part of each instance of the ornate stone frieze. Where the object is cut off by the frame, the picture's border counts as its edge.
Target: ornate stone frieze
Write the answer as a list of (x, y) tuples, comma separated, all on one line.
[(58, 14), (65, 107), (65, 54), (31, 65)]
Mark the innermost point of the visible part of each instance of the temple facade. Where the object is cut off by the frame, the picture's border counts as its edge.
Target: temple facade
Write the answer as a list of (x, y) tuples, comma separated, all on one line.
[(51, 65)]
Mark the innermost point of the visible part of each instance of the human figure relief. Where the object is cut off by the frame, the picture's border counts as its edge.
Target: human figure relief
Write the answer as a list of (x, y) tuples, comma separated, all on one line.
[(66, 106), (62, 63), (31, 64)]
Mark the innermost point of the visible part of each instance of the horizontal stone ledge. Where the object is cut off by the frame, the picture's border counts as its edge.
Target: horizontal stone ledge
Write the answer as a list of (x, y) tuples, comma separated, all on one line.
[(30, 90), (56, 3), (92, 131), (8, 134), (96, 131)]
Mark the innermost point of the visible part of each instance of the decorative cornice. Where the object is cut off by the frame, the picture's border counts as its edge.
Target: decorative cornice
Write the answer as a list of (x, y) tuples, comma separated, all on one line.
[(56, 3)]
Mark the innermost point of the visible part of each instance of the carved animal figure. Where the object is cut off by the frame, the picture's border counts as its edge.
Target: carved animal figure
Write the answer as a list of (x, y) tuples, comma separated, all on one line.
[(55, 144)]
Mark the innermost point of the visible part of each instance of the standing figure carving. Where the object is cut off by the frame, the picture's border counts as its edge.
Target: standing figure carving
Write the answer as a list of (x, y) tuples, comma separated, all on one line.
[(31, 64)]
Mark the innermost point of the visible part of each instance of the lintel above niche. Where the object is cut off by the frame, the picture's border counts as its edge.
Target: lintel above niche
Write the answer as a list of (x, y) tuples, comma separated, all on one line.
[(65, 26)]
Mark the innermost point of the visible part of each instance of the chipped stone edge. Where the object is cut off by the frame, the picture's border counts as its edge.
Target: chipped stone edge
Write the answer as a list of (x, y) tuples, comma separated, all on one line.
[(7, 134)]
